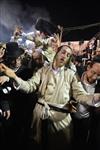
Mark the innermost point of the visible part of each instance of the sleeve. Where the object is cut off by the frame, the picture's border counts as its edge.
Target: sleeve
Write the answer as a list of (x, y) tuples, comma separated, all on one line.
[(79, 93), (30, 85)]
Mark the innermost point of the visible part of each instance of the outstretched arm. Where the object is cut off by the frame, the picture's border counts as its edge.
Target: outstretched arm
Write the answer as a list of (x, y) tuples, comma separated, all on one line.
[(27, 86)]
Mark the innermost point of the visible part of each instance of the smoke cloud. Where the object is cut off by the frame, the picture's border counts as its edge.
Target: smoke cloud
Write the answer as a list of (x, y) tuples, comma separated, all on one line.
[(13, 13)]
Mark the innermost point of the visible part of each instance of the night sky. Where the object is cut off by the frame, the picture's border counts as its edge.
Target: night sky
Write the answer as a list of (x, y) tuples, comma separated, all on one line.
[(65, 13)]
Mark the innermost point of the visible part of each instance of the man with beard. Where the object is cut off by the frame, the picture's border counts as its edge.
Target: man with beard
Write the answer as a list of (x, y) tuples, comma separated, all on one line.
[(18, 126), (55, 83), (86, 118)]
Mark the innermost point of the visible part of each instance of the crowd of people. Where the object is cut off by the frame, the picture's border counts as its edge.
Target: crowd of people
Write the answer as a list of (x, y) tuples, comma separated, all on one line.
[(50, 97)]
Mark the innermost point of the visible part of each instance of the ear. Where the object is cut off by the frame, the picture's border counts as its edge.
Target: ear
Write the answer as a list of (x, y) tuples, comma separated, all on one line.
[(88, 67)]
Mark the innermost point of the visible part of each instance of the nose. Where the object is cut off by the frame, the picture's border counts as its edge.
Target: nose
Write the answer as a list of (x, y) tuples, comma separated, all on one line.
[(63, 56)]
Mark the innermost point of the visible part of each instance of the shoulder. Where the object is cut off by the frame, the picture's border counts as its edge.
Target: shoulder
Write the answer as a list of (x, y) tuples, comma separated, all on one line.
[(71, 74), (70, 71)]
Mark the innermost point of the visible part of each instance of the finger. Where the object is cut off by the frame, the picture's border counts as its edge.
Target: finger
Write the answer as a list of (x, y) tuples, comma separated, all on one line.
[(3, 66), (73, 111), (8, 115), (2, 69), (1, 83), (73, 107), (4, 114)]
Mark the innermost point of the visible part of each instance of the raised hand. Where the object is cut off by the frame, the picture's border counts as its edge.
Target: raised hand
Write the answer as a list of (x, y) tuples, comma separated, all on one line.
[(7, 71), (3, 79), (6, 114)]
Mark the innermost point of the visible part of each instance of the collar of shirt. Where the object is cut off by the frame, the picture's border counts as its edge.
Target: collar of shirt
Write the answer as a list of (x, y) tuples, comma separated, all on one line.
[(58, 70), (90, 87)]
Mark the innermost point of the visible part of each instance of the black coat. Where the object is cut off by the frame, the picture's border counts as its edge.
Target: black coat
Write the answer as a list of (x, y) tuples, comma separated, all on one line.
[(4, 104), (21, 106)]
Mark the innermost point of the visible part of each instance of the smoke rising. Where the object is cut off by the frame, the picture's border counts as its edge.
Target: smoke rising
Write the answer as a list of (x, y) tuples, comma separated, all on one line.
[(13, 13)]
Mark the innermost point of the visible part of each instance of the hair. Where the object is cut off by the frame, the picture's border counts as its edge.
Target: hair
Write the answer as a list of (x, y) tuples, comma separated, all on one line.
[(60, 47), (70, 58)]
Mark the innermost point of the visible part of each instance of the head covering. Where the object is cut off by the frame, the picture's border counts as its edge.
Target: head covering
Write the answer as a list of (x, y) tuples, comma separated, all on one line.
[(13, 51), (47, 27)]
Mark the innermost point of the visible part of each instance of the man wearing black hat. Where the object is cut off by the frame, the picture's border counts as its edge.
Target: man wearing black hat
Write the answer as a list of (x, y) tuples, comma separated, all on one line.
[(55, 84), (4, 104), (20, 110)]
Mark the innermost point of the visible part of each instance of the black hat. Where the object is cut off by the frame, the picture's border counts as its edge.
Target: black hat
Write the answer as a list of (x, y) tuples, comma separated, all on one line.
[(46, 27), (13, 51)]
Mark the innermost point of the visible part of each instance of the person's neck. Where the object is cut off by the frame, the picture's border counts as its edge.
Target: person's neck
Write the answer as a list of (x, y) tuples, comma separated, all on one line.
[(55, 66)]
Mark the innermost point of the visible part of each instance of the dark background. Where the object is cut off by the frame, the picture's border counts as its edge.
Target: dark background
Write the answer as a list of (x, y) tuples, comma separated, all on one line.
[(66, 13)]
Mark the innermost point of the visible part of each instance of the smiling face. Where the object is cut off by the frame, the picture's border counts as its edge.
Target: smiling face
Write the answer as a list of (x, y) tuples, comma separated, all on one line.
[(62, 56)]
